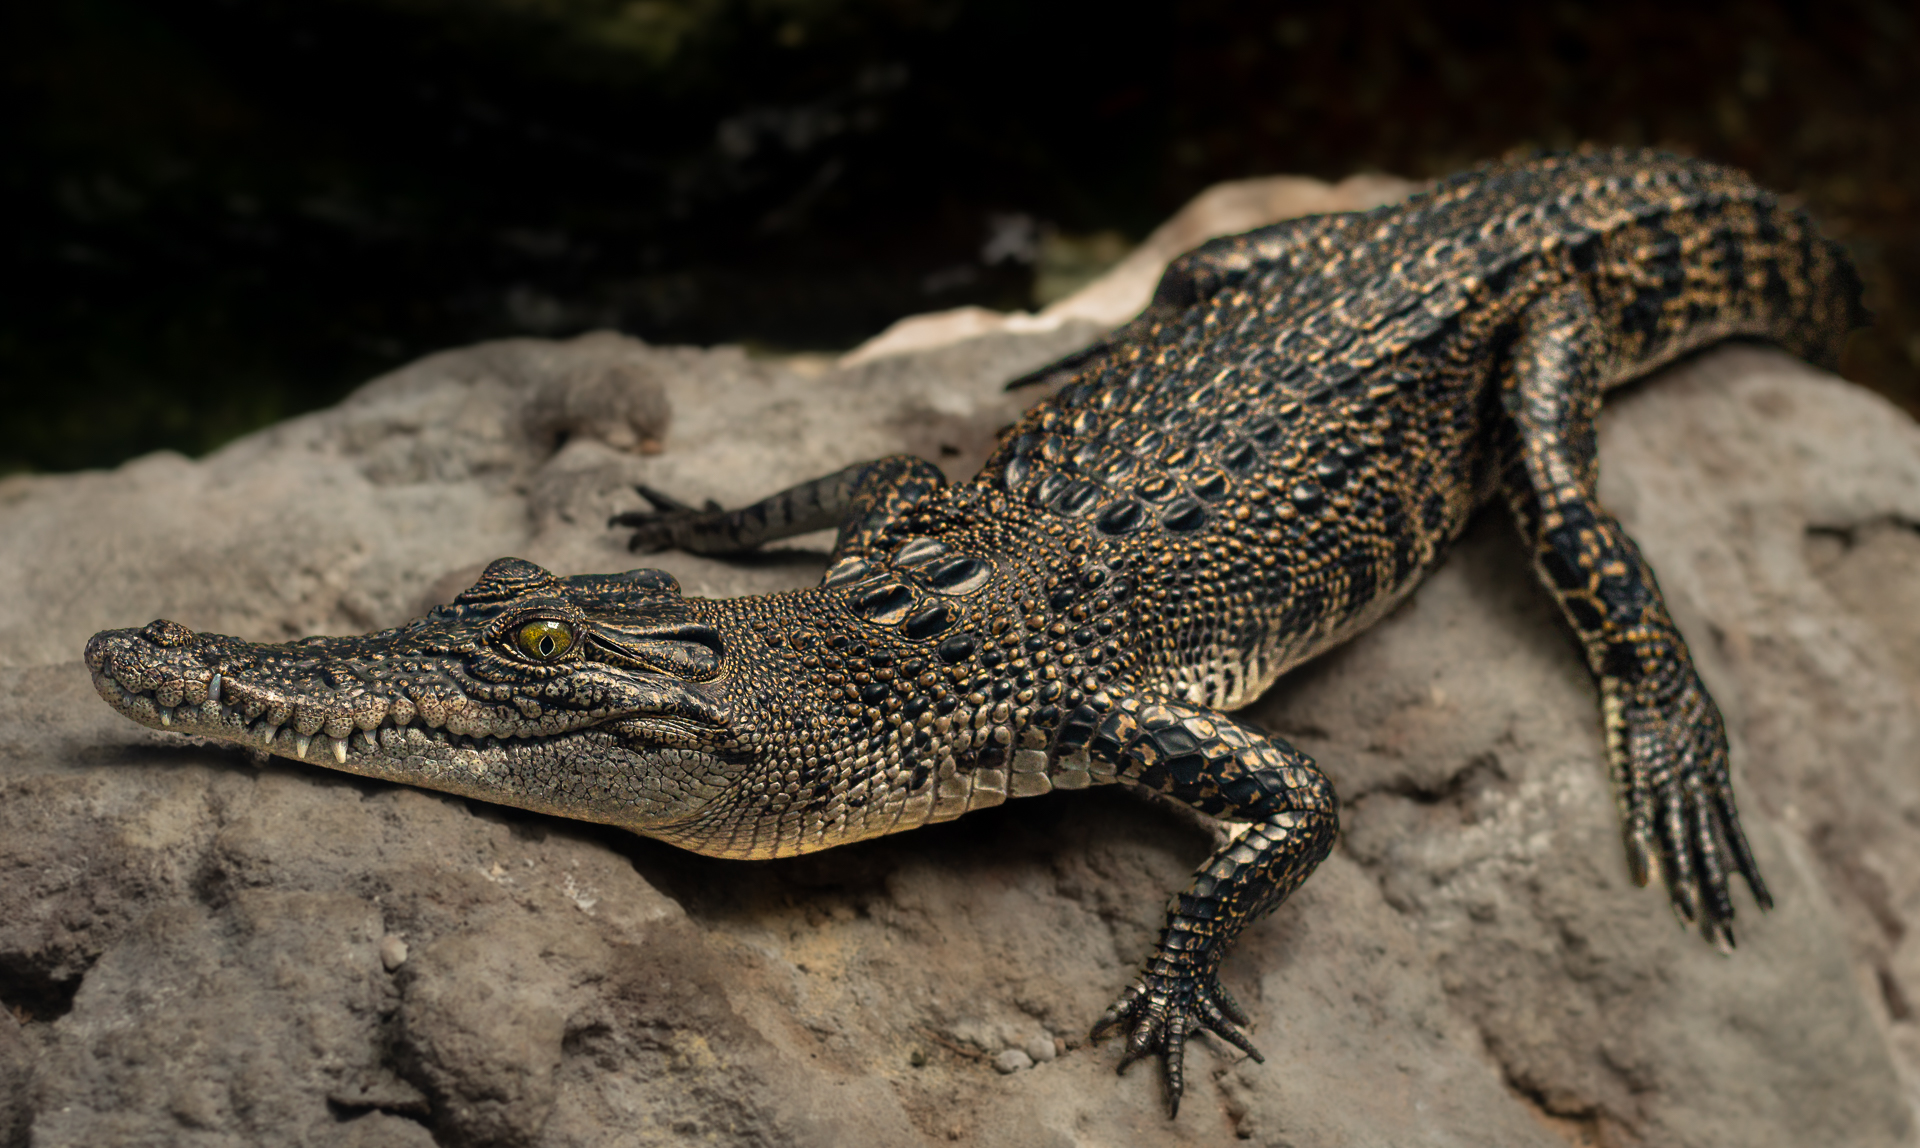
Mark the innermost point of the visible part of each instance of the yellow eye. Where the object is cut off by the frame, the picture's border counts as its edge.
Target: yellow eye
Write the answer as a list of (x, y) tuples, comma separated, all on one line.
[(545, 639)]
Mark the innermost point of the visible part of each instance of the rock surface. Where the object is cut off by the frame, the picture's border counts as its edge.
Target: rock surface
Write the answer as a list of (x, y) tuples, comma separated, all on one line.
[(197, 950)]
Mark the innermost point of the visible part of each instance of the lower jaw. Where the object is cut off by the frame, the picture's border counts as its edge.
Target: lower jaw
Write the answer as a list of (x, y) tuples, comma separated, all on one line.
[(486, 768)]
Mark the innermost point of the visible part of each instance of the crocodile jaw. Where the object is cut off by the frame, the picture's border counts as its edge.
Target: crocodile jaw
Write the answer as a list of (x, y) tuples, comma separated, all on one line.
[(602, 763)]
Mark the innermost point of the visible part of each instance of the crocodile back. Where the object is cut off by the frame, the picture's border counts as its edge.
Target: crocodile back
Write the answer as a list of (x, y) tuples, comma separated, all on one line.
[(1276, 459), (1294, 432)]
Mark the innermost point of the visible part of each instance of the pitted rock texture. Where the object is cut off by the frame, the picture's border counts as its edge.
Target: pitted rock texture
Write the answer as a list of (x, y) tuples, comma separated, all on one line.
[(201, 950), (16, 1080)]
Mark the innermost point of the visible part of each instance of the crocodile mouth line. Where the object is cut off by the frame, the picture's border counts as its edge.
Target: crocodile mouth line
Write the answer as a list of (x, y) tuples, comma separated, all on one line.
[(228, 721)]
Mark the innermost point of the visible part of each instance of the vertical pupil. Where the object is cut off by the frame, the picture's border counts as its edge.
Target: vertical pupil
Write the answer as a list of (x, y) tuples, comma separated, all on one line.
[(544, 640)]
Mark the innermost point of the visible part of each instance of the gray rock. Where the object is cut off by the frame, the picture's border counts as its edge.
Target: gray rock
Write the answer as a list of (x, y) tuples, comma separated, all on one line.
[(379, 1130), (16, 1082), (1011, 1060), (211, 952)]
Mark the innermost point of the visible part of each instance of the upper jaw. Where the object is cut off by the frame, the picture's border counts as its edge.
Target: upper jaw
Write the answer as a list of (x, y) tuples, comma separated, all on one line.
[(302, 701)]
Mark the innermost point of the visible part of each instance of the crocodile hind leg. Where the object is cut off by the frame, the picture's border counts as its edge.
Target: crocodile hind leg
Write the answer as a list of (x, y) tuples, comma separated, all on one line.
[(1666, 745), (1235, 773), (859, 500)]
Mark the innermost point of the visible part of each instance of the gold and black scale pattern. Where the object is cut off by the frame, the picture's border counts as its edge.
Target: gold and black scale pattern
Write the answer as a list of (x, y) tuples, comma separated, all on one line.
[(1262, 464), (1290, 437)]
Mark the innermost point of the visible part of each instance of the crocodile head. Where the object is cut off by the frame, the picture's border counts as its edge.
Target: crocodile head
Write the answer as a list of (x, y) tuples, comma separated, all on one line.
[(598, 697)]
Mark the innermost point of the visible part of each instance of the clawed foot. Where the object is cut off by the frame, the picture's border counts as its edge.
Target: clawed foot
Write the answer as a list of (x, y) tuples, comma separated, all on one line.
[(1161, 1009), (1670, 764), (668, 525)]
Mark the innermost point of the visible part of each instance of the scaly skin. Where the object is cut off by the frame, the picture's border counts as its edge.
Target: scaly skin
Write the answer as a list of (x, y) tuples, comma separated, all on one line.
[(1265, 462)]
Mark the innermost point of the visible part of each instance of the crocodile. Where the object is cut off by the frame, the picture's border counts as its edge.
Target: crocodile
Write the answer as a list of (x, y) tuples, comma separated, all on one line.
[(1263, 463)]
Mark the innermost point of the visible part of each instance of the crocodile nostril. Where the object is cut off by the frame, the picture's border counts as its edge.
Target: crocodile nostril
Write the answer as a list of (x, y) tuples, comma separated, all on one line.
[(164, 633)]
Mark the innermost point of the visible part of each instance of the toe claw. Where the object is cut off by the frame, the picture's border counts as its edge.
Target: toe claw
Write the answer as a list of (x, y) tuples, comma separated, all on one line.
[(662, 503), (1239, 1040), (1639, 859)]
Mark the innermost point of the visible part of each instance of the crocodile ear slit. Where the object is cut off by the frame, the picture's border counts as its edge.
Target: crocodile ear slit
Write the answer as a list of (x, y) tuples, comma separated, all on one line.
[(691, 653)]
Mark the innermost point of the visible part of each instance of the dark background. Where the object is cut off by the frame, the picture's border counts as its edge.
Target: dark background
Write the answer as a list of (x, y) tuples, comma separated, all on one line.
[(222, 212)]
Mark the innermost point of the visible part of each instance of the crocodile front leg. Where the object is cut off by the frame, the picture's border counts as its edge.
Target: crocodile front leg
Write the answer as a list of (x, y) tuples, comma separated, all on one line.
[(1666, 745), (858, 500), (1234, 773)]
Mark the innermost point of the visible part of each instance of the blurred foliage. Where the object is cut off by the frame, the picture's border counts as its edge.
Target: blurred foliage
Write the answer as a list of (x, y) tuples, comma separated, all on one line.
[(222, 212)]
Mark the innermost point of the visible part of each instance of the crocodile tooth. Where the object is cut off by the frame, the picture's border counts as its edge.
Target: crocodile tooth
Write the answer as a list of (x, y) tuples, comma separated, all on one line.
[(166, 715), (339, 749), (300, 743), (267, 733), (213, 689)]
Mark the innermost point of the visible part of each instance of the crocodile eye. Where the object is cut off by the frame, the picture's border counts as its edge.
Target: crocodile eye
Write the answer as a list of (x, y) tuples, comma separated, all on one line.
[(544, 639)]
